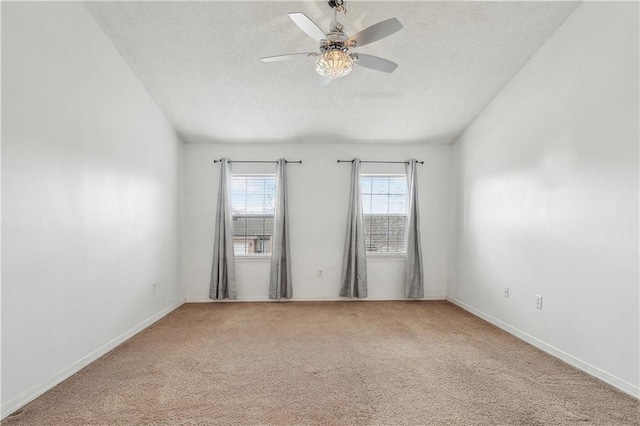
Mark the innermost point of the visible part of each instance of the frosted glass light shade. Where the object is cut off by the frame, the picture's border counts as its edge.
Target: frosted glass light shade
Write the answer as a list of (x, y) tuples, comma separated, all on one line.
[(334, 64)]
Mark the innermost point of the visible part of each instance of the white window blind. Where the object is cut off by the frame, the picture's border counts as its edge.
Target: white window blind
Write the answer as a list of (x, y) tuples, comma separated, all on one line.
[(252, 202), (384, 205)]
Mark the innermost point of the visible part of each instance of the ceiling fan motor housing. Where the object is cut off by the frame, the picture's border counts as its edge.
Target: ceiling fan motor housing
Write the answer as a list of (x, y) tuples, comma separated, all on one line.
[(329, 45)]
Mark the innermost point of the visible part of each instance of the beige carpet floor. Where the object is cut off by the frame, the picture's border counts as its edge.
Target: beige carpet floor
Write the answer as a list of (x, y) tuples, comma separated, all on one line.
[(324, 363)]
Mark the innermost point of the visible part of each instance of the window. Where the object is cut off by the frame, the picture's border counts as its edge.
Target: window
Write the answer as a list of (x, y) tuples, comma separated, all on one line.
[(384, 205), (252, 204)]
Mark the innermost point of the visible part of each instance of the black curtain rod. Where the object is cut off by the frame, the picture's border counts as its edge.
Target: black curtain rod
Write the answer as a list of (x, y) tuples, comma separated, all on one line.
[(386, 162), (255, 161)]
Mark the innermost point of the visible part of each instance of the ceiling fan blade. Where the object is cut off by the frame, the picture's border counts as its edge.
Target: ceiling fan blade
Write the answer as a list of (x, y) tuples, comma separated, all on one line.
[(308, 26), (324, 81), (375, 63), (288, 57), (376, 32)]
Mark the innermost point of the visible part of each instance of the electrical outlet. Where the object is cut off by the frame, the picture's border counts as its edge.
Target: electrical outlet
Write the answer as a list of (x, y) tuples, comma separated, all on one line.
[(506, 291), (154, 287), (320, 273), (538, 302)]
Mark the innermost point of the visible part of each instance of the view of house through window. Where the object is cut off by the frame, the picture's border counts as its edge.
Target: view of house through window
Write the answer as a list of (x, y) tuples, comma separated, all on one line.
[(384, 206), (252, 203)]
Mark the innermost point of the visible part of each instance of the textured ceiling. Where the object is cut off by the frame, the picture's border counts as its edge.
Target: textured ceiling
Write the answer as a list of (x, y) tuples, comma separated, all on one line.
[(201, 63)]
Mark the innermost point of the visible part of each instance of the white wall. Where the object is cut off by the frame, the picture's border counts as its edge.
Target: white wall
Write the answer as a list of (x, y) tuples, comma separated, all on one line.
[(318, 192), (547, 198), (89, 198)]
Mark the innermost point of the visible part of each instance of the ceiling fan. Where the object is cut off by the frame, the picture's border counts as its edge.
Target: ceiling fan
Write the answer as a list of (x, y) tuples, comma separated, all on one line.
[(334, 58)]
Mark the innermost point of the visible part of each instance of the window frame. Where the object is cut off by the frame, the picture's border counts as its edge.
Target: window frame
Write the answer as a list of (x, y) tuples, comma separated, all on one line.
[(386, 256), (250, 257)]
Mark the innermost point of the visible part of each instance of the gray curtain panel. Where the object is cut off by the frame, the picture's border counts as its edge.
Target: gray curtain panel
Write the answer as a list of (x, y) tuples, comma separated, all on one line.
[(280, 280), (414, 279), (354, 261), (223, 274)]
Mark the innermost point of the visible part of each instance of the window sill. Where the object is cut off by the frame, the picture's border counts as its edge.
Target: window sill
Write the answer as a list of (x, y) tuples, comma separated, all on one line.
[(386, 257), (253, 258)]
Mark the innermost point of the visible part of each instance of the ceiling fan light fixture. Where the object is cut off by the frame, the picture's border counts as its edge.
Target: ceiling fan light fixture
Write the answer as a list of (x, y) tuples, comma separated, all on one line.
[(333, 59), (334, 64)]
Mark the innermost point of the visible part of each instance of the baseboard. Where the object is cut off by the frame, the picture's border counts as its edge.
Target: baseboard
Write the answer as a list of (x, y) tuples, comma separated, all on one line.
[(16, 403), (614, 381), (308, 299)]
